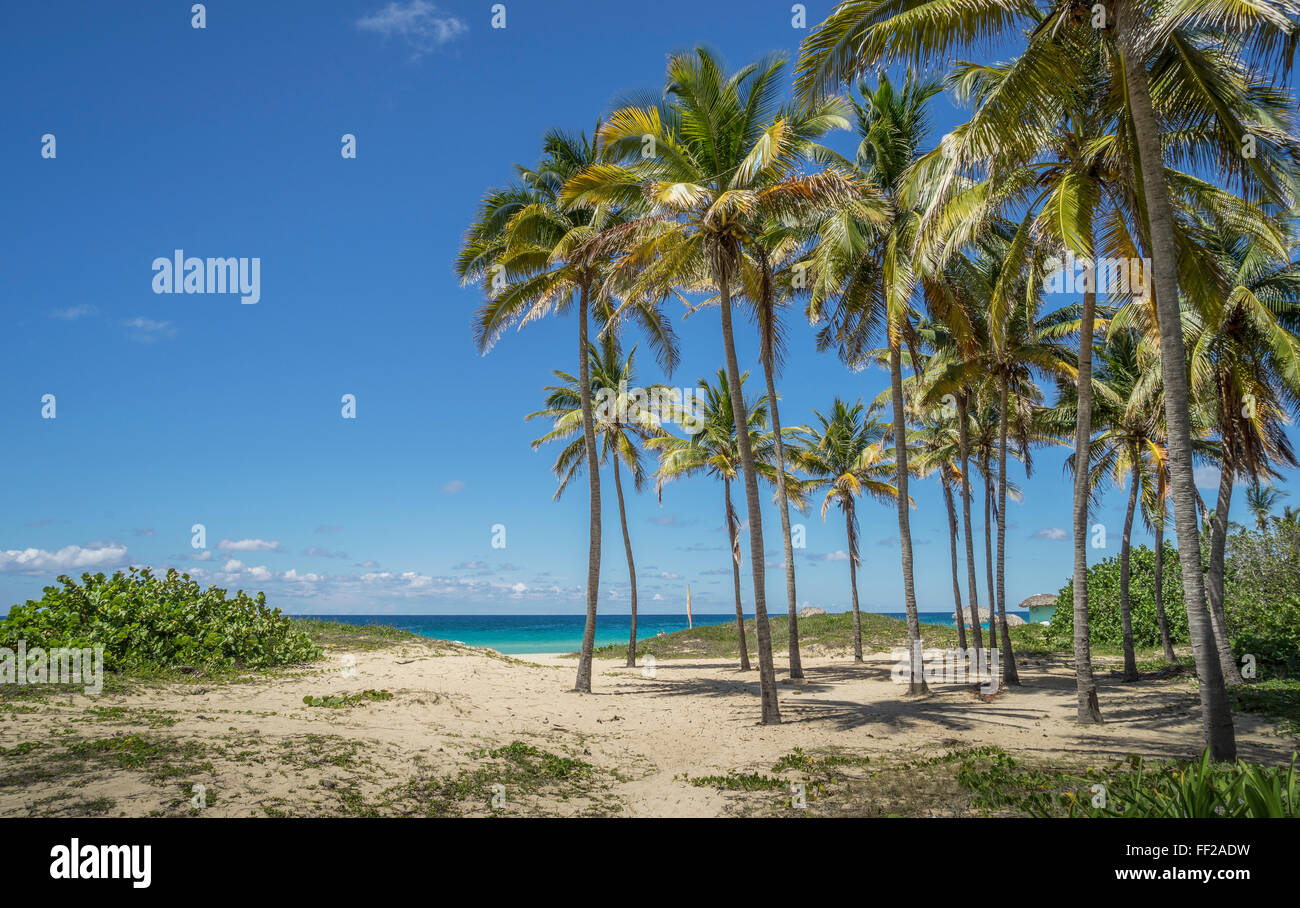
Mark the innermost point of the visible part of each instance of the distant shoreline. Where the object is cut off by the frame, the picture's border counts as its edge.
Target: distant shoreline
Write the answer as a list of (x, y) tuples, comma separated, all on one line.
[(536, 634)]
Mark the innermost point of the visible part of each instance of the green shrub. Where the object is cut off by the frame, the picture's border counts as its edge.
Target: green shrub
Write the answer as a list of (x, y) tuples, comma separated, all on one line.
[(1262, 597), (151, 623), (1104, 625)]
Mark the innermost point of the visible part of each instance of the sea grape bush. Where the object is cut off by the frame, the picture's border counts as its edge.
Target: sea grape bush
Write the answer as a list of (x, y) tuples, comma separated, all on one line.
[(148, 622), (1103, 602), (1262, 597)]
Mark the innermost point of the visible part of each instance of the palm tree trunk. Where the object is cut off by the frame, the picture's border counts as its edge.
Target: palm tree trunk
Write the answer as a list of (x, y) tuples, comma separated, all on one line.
[(783, 503), (917, 683), (1216, 713), (988, 555), (952, 551), (1218, 543), (1165, 640), (1125, 567), (583, 682), (1089, 709), (853, 581), (1009, 673), (771, 712), (735, 576), (631, 563), (972, 588)]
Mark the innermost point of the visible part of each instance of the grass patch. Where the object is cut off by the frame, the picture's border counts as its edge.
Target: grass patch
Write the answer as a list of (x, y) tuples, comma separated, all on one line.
[(345, 701), (1278, 699), (829, 632), (339, 634)]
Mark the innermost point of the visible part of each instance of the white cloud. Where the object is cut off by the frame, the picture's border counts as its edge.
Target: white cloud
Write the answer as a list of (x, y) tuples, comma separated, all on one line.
[(453, 487), (147, 330), (70, 557), (421, 24), (1207, 477), (72, 313), (248, 545), (233, 566), (1052, 533)]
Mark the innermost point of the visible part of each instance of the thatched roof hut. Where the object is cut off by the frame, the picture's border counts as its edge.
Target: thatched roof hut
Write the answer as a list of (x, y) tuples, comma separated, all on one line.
[(1039, 601)]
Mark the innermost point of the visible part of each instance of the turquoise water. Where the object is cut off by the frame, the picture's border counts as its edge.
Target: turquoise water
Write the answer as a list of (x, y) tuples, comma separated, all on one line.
[(519, 634)]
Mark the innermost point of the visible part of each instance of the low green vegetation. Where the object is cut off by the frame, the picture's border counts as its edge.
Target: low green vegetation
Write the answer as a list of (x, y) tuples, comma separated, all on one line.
[(147, 623), (326, 633), (343, 701), (826, 632), (505, 779), (1136, 788)]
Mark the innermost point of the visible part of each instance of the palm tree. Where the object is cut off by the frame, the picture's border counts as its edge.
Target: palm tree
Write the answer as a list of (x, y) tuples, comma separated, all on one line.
[(719, 167), (1260, 500), (534, 256), (1129, 448), (1170, 38), (939, 449), (715, 451), (847, 455), (866, 277), (1154, 514), (621, 421)]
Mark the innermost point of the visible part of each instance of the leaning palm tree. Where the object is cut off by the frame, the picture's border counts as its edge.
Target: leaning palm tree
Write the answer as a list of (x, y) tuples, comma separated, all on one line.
[(707, 166), (714, 450), (1174, 45), (622, 422), (534, 256), (847, 454)]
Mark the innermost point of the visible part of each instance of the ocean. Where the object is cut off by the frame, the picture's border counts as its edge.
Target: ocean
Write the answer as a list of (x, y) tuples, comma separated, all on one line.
[(522, 634)]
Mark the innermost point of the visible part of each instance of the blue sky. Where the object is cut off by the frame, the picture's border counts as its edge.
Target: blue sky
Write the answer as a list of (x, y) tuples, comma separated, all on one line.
[(182, 409)]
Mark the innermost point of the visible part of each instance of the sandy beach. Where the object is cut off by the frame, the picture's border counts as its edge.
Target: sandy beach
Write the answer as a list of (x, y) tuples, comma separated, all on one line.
[(257, 749)]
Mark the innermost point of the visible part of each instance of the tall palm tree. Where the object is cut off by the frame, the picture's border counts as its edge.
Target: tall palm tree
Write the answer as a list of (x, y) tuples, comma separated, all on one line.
[(621, 423), (719, 166), (847, 455), (715, 450), (866, 277), (534, 256)]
